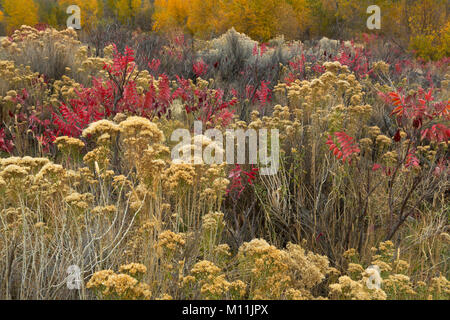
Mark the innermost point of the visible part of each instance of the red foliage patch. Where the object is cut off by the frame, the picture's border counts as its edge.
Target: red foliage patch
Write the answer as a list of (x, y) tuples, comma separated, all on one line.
[(346, 147)]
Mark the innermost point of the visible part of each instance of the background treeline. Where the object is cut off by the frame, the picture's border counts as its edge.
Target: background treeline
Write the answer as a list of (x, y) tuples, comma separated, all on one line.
[(419, 25)]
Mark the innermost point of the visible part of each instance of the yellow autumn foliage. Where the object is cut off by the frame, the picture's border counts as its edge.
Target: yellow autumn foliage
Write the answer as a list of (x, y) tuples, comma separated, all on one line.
[(19, 12)]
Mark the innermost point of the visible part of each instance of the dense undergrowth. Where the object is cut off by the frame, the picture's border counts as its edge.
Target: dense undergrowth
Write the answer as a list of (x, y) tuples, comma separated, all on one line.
[(86, 176)]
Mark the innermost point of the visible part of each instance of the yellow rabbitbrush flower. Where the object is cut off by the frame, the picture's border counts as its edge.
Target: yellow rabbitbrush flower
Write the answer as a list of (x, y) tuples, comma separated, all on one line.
[(169, 242), (350, 289), (133, 269), (178, 177), (101, 127), (212, 282), (79, 201), (273, 272), (138, 134), (399, 284), (13, 171), (205, 268), (109, 285)]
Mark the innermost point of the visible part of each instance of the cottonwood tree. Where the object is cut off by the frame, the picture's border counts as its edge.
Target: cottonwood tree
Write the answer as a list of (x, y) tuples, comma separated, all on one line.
[(19, 12)]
